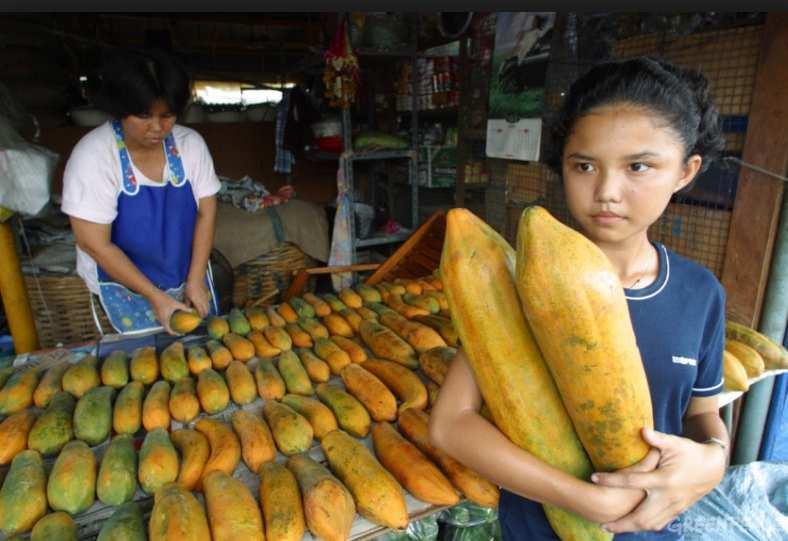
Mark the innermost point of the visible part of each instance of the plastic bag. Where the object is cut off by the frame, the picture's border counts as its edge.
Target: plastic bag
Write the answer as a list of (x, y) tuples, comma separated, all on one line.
[(468, 514), (25, 172), (750, 504), (488, 531), (425, 529)]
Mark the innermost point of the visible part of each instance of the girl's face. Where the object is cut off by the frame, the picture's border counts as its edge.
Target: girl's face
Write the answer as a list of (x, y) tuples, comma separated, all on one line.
[(621, 164), (149, 130)]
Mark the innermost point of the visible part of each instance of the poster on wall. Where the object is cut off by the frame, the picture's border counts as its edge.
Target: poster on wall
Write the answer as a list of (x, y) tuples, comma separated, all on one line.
[(519, 67)]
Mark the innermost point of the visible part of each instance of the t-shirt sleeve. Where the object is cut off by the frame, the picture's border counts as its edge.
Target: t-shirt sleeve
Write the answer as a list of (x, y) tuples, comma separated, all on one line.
[(709, 381), (203, 176), (90, 186)]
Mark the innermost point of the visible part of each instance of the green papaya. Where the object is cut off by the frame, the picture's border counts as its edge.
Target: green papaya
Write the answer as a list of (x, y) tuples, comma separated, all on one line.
[(117, 476), (93, 415), (212, 391), (127, 414), (72, 482), (295, 376), (125, 524), (115, 369), (57, 526), (302, 308), (17, 393), (54, 428), (23, 498), (172, 362), (81, 376), (238, 322)]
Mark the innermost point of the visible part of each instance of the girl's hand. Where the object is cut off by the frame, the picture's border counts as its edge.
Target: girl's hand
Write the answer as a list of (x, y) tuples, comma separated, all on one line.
[(607, 504), (163, 306), (687, 471), (196, 293)]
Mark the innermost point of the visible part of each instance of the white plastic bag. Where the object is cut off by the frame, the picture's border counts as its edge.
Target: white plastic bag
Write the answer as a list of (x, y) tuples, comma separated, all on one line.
[(25, 172)]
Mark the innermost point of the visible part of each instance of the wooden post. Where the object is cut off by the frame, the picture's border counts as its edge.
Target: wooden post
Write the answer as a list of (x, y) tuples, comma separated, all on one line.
[(15, 300), (756, 211)]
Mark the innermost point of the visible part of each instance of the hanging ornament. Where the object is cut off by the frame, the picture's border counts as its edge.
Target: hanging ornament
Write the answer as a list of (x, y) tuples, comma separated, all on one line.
[(341, 74)]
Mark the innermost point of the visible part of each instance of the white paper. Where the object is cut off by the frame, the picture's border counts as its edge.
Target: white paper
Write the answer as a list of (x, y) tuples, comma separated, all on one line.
[(514, 140)]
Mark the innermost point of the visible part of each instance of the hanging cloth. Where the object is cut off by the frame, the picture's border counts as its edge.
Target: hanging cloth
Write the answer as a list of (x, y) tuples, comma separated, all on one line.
[(284, 159), (341, 241)]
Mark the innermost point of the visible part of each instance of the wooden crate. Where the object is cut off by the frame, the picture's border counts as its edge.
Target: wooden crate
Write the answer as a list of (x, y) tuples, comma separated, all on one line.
[(418, 256)]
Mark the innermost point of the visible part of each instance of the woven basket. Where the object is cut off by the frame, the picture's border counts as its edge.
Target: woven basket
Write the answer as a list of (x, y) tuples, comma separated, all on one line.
[(268, 275), (61, 310)]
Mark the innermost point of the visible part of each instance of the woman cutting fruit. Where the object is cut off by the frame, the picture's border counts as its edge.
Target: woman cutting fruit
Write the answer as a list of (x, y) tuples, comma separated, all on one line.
[(140, 194)]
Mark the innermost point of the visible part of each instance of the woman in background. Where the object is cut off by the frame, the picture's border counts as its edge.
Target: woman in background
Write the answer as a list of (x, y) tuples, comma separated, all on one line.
[(140, 193)]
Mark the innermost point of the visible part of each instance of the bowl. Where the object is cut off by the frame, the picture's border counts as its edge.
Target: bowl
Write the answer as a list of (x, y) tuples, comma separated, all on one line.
[(329, 144)]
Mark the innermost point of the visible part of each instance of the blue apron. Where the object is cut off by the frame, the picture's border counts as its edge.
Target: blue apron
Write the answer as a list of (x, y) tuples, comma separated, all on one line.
[(154, 227)]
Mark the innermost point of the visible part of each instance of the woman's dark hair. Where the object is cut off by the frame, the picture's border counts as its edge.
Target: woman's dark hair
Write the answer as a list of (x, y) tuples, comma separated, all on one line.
[(132, 80), (678, 95)]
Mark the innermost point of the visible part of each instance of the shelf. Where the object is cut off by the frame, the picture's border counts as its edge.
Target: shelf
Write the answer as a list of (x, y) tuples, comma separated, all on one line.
[(321, 155), (381, 154), (377, 240)]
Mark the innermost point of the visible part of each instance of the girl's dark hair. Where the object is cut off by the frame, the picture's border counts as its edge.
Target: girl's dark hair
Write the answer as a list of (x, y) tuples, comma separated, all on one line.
[(678, 95), (132, 80)]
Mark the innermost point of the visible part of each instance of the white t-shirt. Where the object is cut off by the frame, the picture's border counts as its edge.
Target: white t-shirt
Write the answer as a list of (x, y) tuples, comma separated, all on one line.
[(92, 181)]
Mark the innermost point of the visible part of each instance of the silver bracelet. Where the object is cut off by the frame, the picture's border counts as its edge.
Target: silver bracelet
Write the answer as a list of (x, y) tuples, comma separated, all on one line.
[(719, 442)]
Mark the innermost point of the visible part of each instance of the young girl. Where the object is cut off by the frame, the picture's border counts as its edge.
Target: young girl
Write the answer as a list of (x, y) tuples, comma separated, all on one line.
[(630, 135)]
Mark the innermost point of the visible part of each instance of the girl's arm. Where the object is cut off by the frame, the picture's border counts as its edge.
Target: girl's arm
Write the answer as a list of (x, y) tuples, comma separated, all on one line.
[(457, 428), (688, 469), (95, 240), (196, 291)]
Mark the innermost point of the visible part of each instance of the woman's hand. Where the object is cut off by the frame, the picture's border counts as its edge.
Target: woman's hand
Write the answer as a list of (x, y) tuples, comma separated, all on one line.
[(196, 293), (687, 471), (163, 306)]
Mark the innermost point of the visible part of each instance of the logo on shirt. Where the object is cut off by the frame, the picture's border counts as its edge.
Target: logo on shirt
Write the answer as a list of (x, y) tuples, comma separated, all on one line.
[(684, 360)]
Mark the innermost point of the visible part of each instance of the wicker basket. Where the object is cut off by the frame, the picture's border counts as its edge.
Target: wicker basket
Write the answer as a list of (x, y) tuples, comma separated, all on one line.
[(268, 275), (61, 310)]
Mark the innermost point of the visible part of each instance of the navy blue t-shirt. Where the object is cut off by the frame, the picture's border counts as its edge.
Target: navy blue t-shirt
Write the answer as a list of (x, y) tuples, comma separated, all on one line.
[(679, 323)]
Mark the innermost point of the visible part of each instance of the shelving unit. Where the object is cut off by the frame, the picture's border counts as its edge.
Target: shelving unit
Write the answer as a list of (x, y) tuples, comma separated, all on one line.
[(350, 156)]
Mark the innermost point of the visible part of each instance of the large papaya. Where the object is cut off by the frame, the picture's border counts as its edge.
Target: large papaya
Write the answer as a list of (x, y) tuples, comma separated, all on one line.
[(127, 415), (49, 385), (477, 270), (576, 307)]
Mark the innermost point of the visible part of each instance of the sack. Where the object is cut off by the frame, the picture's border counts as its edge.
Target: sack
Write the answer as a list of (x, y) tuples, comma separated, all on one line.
[(25, 172)]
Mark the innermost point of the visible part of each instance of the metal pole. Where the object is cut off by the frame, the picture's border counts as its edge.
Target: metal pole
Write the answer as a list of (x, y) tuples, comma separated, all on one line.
[(15, 300)]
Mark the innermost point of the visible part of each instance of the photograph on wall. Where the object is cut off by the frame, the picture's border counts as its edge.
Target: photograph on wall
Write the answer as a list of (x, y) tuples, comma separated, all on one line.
[(522, 49)]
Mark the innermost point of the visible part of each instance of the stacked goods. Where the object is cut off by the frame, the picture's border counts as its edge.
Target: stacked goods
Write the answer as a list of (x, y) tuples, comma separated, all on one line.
[(748, 354), (313, 375)]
